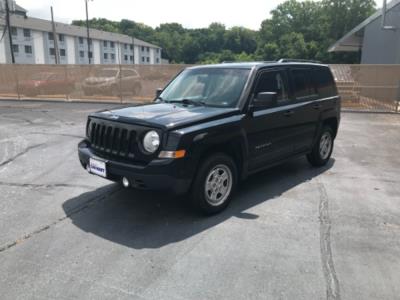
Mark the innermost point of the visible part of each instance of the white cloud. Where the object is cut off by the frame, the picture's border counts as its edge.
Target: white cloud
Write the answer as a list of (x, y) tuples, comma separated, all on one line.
[(191, 14)]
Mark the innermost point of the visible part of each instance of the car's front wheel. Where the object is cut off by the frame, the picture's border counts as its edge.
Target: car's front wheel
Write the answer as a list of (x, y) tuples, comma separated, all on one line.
[(322, 150), (214, 184)]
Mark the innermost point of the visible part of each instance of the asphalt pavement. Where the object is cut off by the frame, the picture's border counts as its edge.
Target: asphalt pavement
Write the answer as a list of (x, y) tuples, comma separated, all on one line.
[(292, 232)]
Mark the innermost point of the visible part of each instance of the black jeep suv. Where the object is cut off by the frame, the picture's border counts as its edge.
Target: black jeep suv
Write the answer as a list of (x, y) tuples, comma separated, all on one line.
[(212, 126)]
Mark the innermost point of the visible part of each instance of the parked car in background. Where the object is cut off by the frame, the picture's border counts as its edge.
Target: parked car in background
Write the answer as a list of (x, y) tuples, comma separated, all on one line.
[(213, 126), (113, 81), (46, 83)]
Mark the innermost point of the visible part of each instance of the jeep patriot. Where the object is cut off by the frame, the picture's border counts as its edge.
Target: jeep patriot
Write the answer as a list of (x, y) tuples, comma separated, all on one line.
[(214, 125)]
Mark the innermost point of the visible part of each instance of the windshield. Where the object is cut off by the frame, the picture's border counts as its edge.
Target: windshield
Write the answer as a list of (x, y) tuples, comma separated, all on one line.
[(107, 73), (208, 86)]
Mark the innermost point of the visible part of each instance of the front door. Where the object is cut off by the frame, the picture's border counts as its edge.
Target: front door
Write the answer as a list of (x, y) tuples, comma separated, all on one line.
[(269, 130)]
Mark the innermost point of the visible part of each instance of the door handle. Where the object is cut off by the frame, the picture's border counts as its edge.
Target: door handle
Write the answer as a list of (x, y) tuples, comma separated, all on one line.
[(317, 106), (288, 113)]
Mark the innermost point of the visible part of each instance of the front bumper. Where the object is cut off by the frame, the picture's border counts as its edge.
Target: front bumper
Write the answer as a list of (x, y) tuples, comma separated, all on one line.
[(159, 174)]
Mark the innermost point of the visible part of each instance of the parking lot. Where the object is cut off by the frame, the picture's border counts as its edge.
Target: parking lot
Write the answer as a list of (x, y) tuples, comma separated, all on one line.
[(292, 232)]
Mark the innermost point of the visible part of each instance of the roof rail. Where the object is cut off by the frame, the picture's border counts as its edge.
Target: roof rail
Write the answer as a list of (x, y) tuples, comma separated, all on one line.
[(284, 60)]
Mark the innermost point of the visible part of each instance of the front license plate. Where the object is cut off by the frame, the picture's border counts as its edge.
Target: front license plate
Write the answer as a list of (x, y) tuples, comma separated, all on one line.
[(98, 167)]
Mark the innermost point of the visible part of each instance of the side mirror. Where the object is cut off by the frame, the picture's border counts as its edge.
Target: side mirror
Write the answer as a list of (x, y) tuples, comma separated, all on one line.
[(158, 92), (265, 100)]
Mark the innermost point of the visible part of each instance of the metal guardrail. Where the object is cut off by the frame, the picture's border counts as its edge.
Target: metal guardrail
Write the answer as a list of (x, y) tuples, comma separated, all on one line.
[(374, 88)]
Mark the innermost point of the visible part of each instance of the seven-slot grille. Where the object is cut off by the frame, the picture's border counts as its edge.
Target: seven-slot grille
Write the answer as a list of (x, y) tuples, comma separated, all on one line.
[(113, 139)]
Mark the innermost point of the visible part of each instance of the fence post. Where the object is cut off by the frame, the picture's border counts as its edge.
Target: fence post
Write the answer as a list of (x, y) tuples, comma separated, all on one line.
[(15, 66), (398, 98), (66, 80)]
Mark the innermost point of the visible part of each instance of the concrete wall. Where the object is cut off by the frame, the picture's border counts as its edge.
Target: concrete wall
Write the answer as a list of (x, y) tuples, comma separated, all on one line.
[(71, 59), (3, 58), (96, 52), (137, 54), (152, 55), (38, 45), (382, 46)]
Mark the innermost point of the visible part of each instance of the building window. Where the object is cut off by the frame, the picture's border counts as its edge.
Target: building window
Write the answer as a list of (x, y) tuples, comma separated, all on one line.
[(105, 44), (143, 59), (126, 57), (90, 41), (112, 44), (15, 48), (157, 60), (27, 33), (51, 37), (125, 46), (81, 40), (90, 54), (131, 58), (52, 51), (105, 55), (14, 31), (131, 47), (158, 50), (28, 49), (81, 54), (112, 56), (62, 52), (148, 59), (148, 49), (143, 48), (61, 37)]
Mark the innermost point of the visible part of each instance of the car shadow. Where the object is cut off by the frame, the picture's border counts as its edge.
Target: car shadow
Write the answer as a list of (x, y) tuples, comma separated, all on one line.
[(145, 219)]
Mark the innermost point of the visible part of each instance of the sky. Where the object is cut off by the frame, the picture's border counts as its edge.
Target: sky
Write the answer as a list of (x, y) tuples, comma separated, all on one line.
[(191, 14)]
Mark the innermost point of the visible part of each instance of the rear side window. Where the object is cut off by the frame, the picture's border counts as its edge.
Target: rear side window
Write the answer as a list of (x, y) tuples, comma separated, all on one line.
[(273, 81), (303, 84), (325, 83)]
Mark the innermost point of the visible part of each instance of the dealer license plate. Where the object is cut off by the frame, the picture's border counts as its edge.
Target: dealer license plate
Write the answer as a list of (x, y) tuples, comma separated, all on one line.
[(98, 167)]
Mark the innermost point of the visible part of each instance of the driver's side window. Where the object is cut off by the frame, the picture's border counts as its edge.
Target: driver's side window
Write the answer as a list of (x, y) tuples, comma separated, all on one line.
[(273, 81)]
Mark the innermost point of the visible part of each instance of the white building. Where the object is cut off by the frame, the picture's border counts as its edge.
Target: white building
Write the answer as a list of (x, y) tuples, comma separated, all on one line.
[(33, 43)]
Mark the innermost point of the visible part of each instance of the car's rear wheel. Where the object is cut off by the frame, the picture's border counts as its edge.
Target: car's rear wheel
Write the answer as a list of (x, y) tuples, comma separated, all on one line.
[(322, 150), (214, 184)]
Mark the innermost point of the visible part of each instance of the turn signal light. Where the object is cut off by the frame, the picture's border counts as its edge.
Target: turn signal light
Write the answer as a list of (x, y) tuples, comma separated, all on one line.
[(172, 154)]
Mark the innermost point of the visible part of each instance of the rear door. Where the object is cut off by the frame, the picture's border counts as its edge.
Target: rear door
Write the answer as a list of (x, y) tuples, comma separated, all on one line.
[(269, 130), (306, 110)]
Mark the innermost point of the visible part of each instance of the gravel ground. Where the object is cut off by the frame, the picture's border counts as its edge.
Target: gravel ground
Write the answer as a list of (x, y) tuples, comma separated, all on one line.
[(292, 232)]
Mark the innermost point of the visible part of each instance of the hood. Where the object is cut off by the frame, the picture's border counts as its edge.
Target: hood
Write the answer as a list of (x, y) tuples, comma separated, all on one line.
[(166, 115)]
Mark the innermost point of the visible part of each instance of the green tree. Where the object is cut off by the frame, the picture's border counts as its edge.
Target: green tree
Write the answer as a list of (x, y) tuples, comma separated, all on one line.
[(296, 29)]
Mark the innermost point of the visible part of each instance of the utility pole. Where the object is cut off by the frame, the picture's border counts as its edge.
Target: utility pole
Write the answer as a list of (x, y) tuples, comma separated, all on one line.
[(133, 50), (87, 29), (9, 31), (57, 57)]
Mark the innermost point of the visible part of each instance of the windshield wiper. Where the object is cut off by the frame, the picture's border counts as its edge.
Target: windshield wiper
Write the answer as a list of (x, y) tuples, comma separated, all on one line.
[(187, 102)]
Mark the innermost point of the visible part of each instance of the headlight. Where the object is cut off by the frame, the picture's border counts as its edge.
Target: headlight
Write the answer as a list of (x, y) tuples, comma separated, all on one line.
[(151, 141)]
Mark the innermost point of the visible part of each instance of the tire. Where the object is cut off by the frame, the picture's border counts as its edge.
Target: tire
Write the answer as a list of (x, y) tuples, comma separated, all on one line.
[(212, 193), (322, 150)]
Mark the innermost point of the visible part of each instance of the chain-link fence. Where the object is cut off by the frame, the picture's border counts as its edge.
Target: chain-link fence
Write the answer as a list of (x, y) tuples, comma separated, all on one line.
[(111, 83), (373, 88), (362, 87)]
